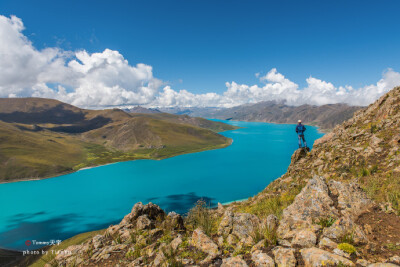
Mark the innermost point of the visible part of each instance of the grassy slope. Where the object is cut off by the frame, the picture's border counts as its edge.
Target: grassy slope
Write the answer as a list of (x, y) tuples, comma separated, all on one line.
[(33, 154), (26, 153), (75, 240), (347, 154)]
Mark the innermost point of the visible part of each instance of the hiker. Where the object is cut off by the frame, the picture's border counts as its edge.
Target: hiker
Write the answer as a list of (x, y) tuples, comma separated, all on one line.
[(300, 129)]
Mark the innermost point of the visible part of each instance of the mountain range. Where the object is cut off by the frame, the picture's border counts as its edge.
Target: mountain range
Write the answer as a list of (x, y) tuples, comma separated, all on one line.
[(325, 116)]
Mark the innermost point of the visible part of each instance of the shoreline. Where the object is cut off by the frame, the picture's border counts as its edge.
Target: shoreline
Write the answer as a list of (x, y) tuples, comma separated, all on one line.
[(319, 128), (91, 167)]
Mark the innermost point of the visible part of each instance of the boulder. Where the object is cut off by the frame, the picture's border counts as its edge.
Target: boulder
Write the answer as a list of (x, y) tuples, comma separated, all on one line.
[(176, 242), (201, 241), (284, 256), (234, 262), (153, 211), (326, 243), (174, 221), (311, 203), (304, 238), (143, 222), (395, 259), (362, 262), (261, 259), (239, 224), (318, 257), (272, 222), (351, 199), (98, 241), (345, 226), (298, 155), (383, 265)]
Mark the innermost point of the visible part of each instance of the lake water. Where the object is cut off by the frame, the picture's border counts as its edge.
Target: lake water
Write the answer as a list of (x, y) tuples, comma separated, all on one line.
[(91, 199)]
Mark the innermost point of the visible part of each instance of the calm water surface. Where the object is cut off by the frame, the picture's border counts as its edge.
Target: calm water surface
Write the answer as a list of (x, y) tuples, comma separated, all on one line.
[(91, 199)]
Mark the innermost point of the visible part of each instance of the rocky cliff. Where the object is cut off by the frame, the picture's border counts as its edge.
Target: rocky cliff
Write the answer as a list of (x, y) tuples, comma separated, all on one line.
[(337, 205)]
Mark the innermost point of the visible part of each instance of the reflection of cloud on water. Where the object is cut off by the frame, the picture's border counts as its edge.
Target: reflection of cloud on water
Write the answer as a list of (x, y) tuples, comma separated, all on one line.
[(180, 203), (24, 216)]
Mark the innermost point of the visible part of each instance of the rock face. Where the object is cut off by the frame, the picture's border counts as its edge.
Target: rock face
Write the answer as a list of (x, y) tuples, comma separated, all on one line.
[(234, 262), (262, 259), (351, 200), (239, 224), (312, 203), (318, 257), (152, 211), (284, 256), (201, 241), (345, 226)]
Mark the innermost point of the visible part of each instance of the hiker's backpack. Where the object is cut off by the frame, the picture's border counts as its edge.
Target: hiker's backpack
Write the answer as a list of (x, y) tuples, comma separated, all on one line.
[(300, 129)]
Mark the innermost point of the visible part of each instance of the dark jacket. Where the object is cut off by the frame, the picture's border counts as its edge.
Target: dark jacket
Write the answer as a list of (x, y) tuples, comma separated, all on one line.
[(300, 129)]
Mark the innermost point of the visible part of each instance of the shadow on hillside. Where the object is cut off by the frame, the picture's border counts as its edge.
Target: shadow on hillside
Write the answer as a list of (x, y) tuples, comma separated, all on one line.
[(56, 115)]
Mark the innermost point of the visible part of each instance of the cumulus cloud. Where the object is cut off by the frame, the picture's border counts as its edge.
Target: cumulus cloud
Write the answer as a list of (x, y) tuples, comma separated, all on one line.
[(276, 87), (98, 80), (79, 78)]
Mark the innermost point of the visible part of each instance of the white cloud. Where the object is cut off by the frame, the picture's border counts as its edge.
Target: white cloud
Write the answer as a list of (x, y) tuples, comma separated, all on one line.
[(98, 79), (277, 87), (107, 79)]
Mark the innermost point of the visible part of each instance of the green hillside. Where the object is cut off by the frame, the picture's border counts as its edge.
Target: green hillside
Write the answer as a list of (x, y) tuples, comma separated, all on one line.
[(43, 138)]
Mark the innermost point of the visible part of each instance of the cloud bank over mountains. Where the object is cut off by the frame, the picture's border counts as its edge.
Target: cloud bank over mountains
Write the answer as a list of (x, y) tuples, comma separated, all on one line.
[(105, 79)]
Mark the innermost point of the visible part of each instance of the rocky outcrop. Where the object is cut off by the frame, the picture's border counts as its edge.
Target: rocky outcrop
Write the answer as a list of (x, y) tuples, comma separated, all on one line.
[(201, 241), (318, 257), (261, 259), (240, 225), (313, 203)]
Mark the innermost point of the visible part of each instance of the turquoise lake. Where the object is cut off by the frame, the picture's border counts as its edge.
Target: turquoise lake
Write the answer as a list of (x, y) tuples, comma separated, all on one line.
[(91, 199)]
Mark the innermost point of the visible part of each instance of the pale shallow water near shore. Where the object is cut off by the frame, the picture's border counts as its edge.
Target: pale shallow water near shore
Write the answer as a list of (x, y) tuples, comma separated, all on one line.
[(90, 199)]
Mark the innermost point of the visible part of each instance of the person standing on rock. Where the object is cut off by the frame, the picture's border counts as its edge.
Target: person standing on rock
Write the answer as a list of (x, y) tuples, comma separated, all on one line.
[(300, 129)]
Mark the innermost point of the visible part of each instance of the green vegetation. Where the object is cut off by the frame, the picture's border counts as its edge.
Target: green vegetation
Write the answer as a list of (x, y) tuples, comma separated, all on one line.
[(326, 222), (273, 204), (36, 143), (76, 240), (348, 238), (262, 232), (384, 189), (201, 216), (346, 247)]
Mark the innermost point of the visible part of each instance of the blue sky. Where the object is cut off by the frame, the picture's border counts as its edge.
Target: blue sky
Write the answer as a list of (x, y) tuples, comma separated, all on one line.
[(200, 45)]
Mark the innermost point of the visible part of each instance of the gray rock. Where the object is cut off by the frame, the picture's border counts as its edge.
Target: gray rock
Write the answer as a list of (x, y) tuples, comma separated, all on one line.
[(98, 241), (143, 222), (176, 242), (284, 256), (233, 262), (312, 203), (240, 224), (318, 257), (345, 226), (383, 265), (272, 222), (395, 259), (304, 238), (326, 243), (352, 200), (153, 211), (201, 241), (261, 259)]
